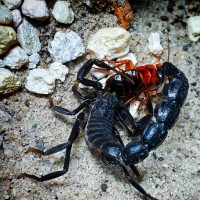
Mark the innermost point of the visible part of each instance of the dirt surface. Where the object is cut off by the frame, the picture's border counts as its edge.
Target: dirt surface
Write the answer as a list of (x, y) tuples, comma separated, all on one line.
[(170, 172)]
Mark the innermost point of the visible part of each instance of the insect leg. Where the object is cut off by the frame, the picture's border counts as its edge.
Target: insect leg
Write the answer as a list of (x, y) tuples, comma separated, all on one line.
[(74, 134), (74, 112), (139, 124)]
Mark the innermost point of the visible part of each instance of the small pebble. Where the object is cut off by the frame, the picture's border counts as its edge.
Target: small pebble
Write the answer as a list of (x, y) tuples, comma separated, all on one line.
[(104, 187), (8, 81), (58, 71), (17, 18), (37, 9), (66, 46), (62, 12), (33, 60), (109, 42), (5, 16), (185, 47), (28, 37), (8, 38), (40, 81), (193, 28), (154, 44), (133, 108), (12, 4), (16, 58)]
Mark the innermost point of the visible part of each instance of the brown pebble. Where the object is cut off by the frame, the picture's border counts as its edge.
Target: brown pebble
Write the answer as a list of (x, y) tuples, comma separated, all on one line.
[(6, 182)]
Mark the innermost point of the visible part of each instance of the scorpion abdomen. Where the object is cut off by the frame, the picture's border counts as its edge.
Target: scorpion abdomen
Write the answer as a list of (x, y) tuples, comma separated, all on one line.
[(99, 130)]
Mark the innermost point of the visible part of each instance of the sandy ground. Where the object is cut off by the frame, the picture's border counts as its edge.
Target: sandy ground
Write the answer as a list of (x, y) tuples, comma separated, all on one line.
[(171, 172)]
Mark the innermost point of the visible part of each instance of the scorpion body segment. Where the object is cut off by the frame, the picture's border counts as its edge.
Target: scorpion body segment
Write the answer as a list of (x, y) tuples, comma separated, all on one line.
[(166, 113), (99, 133)]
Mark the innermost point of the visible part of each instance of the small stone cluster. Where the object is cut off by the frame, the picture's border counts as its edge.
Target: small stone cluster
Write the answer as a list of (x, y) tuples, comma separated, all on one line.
[(20, 45)]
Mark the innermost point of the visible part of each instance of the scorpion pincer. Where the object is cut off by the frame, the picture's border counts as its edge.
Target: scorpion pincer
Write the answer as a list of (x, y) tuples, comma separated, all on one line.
[(105, 109)]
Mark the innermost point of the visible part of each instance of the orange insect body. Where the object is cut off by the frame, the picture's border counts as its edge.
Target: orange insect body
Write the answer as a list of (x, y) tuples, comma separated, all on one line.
[(147, 73), (133, 81)]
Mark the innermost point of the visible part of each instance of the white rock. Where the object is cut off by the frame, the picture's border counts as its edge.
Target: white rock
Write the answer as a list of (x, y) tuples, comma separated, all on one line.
[(8, 81), (5, 15), (58, 71), (154, 44), (2, 64), (36, 9), (109, 42), (16, 58), (133, 108), (62, 12), (17, 18), (40, 81), (12, 4), (193, 28), (66, 46), (28, 37), (33, 60)]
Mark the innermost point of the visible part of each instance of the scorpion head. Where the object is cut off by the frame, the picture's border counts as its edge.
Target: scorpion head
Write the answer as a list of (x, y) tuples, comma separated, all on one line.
[(105, 105)]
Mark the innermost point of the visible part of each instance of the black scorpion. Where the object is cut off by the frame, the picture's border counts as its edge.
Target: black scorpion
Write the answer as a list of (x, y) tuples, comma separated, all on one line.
[(105, 109)]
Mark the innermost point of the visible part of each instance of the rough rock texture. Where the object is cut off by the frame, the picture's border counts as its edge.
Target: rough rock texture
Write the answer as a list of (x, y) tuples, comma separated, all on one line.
[(109, 42), (5, 16), (193, 28), (154, 44), (36, 9), (42, 81), (8, 81), (62, 12), (33, 60), (28, 37), (8, 37), (16, 58), (66, 46), (17, 18), (12, 4), (2, 64)]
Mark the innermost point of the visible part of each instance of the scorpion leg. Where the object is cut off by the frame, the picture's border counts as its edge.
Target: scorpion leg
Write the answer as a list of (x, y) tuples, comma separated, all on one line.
[(137, 185), (136, 125), (74, 134), (74, 112)]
